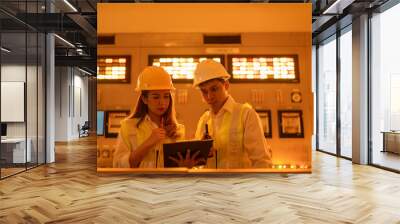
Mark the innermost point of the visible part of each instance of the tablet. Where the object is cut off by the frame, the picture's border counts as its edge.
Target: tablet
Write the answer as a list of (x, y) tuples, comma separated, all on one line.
[(172, 149)]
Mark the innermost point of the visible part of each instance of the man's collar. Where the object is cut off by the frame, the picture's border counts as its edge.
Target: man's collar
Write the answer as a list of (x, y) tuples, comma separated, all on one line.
[(228, 105)]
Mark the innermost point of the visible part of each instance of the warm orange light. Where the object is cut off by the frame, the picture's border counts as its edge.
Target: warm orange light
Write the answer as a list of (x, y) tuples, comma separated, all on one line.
[(290, 166), (259, 67), (180, 67), (109, 68)]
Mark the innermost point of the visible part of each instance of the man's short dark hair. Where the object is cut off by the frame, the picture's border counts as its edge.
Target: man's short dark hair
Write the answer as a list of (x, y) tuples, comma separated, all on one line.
[(222, 80)]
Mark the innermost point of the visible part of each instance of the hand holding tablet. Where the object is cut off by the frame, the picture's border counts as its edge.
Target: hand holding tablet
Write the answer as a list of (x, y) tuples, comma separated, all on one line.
[(186, 153)]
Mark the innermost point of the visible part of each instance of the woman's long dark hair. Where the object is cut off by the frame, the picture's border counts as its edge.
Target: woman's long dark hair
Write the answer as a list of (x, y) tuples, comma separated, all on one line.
[(169, 117)]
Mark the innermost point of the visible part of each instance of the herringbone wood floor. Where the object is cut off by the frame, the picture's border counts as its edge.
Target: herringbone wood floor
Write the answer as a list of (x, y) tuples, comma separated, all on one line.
[(70, 191)]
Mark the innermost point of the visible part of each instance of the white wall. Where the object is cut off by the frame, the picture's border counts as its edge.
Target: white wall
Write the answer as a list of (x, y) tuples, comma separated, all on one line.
[(61, 103), (33, 126), (71, 94), (81, 82), (13, 73)]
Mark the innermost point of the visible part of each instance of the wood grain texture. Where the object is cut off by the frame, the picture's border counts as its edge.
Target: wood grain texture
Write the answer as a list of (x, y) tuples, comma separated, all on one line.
[(70, 191)]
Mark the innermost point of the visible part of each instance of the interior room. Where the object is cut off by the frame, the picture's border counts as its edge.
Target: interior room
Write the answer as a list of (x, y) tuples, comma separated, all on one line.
[(329, 114)]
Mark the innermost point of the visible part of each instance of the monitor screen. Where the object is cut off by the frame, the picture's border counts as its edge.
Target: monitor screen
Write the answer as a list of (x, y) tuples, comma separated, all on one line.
[(100, 122), (3, 129)]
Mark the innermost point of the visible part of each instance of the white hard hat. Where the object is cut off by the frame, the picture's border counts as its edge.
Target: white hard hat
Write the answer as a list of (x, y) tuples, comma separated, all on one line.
[(207, 70), (154, 78)]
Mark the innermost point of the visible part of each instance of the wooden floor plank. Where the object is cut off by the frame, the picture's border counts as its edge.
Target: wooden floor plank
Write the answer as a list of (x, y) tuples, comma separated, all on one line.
[(70, 191)]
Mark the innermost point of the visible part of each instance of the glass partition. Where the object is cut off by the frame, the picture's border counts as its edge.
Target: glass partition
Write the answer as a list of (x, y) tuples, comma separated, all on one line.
[(346, 94), (14, 142), (385, 89), (327, 96), (41, 91), (31, 100), (22, 90)]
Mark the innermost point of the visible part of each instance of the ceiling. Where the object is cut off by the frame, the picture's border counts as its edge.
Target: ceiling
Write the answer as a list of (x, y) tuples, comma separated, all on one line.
[(76, 22)]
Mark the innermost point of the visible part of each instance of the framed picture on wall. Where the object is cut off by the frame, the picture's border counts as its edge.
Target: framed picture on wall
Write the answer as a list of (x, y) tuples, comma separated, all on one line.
[(290, 124), (114, 69), (265, 117), (113, 122)]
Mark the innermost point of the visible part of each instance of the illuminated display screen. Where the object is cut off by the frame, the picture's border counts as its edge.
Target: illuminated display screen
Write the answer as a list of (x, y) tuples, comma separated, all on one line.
[(180, 67), (113, 68), (264, 68)]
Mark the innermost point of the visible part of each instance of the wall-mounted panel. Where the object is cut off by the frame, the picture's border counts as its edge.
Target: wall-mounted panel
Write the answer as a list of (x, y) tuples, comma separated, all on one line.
[(113, 69), (181, 67), (12, 101), (264, 68)]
